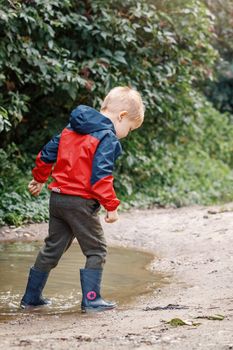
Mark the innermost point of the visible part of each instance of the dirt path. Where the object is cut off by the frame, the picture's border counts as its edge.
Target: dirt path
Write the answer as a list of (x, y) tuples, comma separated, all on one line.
[(194, 245)]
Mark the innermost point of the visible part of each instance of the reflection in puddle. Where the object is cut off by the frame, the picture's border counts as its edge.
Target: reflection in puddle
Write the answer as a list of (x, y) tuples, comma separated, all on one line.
[(125, 277)]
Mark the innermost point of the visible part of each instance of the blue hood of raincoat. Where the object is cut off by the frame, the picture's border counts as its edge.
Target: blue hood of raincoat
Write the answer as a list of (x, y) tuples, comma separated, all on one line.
[(86, 120)]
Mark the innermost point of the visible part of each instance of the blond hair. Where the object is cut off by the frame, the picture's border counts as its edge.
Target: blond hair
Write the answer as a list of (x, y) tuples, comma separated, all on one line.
[(124, 98)]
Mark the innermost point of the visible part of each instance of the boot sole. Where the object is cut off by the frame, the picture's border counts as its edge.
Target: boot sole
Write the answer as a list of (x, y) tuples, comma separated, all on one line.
[(96, 309), (26, 307)]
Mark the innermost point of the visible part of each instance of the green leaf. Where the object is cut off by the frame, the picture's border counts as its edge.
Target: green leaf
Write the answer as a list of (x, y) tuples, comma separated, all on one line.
[(216, 317), (177, 322)]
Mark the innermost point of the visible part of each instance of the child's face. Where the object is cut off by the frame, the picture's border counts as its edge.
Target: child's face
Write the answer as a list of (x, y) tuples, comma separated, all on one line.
[(123, 125)]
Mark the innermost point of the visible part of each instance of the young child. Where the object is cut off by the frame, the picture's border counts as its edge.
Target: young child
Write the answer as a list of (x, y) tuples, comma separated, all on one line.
[(84, 153)]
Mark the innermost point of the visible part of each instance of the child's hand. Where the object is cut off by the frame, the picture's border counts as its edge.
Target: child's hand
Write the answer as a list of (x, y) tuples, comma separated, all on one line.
[(35, 187), (111, 216)]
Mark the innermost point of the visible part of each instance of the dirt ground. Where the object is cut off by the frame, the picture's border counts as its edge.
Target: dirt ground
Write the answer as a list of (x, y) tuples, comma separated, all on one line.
[(192, 245)]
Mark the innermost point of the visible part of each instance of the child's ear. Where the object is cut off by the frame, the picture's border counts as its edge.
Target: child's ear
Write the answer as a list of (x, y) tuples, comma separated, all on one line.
[(122, 114)]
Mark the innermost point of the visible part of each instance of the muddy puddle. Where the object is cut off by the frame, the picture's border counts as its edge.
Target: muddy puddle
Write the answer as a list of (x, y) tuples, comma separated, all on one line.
[(126, 276)]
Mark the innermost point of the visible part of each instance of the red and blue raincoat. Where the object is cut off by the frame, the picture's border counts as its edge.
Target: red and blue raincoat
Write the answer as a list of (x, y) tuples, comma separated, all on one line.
[(84, 153)]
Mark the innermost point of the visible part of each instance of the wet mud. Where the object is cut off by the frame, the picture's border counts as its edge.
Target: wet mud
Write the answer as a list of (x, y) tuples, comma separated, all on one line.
[(126, 276), (192, 246)]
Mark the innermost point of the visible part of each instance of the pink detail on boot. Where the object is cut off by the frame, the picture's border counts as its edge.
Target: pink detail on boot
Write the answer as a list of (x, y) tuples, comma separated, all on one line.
[(91, 295)]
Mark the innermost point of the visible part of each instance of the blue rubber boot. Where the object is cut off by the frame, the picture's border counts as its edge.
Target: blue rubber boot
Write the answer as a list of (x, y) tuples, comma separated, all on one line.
[(35, 285), (90, 283)]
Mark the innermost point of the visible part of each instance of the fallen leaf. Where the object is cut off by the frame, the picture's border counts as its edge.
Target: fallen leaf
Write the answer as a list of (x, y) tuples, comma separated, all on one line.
[(212, 211), (177, 322), (216, 317), (167, 307)]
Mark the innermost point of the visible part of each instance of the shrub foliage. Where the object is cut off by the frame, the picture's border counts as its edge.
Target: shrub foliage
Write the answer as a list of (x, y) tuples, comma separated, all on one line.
[(55, 55)]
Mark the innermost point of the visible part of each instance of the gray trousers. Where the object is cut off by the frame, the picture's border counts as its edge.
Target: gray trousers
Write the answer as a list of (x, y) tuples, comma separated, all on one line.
[(73, 217)]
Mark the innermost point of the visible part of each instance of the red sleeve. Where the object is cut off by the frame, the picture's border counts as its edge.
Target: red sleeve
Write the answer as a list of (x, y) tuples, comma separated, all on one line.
[(42, 170)]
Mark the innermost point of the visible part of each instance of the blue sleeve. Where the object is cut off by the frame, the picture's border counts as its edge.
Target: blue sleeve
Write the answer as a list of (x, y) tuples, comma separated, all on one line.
[(49, 151), (105, 156)]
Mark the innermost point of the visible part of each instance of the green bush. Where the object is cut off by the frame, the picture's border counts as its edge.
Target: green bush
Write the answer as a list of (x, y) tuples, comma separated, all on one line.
[(17, 205), (57, 54), (220, 90), (194, 168)]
